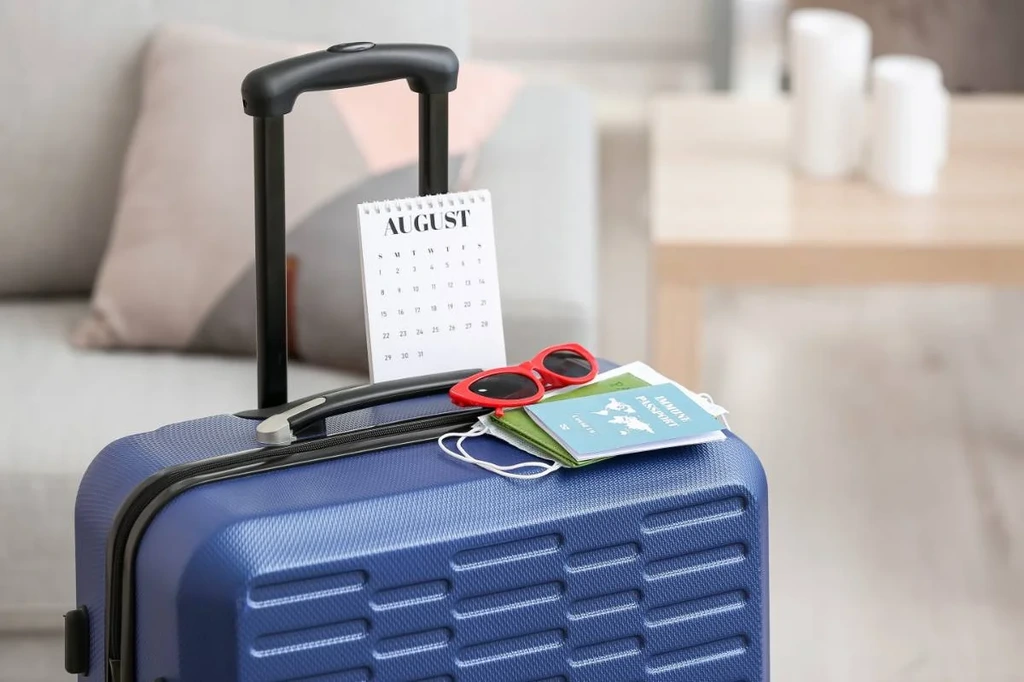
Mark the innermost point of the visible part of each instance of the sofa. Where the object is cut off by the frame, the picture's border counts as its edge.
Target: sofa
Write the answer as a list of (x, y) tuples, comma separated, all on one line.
[(70, 76)]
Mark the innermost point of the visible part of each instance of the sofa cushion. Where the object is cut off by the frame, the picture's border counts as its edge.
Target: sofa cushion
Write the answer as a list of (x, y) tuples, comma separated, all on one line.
[(72, 68), (179, 270), (60, 406)]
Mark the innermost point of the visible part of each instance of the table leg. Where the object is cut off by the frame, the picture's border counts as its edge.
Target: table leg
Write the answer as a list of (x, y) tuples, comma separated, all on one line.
[(722, 15), (677, 332)]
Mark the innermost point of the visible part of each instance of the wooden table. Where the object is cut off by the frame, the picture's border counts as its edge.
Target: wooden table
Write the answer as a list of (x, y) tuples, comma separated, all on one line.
[(727, 210)]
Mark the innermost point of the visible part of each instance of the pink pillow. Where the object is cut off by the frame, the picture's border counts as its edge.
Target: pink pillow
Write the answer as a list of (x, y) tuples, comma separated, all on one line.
[(178, 271)]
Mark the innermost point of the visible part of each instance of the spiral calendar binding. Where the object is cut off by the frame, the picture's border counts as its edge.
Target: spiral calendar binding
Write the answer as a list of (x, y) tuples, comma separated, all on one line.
[(427, 203)]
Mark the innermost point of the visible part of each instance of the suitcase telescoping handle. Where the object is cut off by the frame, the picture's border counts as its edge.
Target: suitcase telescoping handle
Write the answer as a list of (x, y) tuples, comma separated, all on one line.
[(268, 93)]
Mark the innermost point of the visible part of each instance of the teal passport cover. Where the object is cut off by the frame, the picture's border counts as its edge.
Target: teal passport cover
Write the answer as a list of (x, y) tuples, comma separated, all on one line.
[(624, 421)]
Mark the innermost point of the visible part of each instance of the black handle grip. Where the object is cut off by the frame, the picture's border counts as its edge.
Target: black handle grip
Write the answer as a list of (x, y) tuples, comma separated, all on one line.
[(283, 427), (271, 90)]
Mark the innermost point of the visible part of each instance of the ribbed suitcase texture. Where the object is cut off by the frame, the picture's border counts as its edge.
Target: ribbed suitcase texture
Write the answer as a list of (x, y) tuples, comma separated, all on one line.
[(407, 565)]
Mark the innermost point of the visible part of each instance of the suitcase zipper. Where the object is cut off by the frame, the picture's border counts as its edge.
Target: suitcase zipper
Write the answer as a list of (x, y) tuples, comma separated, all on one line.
[(155, 492)]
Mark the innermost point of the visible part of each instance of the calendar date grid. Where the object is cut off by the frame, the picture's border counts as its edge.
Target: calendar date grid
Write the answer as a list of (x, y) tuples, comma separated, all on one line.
[(429, 295)]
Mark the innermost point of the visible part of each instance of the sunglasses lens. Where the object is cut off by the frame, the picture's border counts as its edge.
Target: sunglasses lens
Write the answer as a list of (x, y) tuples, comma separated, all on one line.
[(567, 363), (504, 387)]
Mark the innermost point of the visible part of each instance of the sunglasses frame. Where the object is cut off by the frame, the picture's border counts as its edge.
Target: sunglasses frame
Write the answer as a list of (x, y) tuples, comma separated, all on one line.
[(463, 397)]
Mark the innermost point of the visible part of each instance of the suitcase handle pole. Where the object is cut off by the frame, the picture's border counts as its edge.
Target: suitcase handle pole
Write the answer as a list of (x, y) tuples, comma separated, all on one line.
[(268, 93)]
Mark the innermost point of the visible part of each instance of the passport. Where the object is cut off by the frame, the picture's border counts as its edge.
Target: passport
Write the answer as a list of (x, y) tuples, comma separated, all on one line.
[(519, 423), (626, 421)]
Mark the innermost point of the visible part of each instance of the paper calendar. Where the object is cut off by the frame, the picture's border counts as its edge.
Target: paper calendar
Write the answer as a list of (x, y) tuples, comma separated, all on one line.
[(430, 285)]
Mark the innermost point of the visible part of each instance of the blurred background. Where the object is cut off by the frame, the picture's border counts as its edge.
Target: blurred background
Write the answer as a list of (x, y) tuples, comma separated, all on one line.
[(866, 343)]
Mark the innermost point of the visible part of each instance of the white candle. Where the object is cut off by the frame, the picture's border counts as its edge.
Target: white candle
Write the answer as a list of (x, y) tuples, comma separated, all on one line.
[(909, 124), (829, 53)]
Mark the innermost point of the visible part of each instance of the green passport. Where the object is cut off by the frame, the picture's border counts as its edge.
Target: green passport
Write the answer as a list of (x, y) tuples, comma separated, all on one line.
[(521, 424)]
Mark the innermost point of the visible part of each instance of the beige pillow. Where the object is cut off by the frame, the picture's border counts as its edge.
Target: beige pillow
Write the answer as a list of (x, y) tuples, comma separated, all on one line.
[(178, 271)]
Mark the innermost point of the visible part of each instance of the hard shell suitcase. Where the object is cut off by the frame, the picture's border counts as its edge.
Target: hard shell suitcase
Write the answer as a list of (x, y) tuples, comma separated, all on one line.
[(362, 552)]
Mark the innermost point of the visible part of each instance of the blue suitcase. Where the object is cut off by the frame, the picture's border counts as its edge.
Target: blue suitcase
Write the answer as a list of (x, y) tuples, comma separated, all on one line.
[(361, 552)]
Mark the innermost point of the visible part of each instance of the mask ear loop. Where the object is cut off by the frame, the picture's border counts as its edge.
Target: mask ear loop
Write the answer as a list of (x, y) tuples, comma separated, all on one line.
[(506, 471), (721, 417)]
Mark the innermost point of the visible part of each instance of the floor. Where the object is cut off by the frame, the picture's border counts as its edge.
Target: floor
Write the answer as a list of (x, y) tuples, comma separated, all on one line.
[(889, 423)]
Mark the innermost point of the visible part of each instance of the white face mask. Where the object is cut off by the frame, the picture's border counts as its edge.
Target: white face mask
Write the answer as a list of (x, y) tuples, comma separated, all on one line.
[(534, 470)]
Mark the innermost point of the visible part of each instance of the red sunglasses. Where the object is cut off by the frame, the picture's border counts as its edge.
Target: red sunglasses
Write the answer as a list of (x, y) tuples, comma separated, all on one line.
[(524, 384)]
